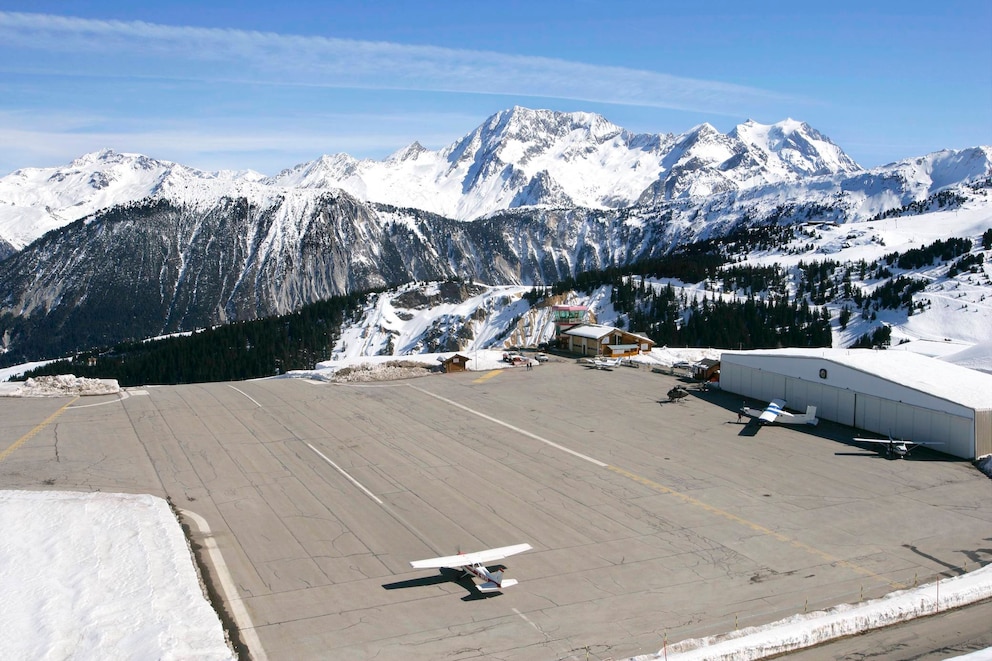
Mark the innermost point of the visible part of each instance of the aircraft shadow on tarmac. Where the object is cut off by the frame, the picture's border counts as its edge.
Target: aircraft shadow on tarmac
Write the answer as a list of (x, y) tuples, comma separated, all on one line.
[(446, 575), (918, 454), (748, 427)]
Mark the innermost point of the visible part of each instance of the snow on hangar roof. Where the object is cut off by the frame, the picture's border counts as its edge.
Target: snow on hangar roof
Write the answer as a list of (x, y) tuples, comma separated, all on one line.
[(954, 383)]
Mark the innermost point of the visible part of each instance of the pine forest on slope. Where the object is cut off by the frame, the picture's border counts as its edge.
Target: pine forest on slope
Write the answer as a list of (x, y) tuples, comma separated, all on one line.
[(768, 309)]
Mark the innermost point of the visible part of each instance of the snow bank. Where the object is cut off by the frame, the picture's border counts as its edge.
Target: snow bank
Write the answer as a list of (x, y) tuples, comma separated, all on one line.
[(100, 576), (810, 629), (366, 372), (667, 357), (62, 385), (388, 368)]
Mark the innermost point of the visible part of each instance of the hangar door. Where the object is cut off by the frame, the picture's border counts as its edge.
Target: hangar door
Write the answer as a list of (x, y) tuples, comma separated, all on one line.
[(831, 403), (765, 385), (915, 423), (752, 382)]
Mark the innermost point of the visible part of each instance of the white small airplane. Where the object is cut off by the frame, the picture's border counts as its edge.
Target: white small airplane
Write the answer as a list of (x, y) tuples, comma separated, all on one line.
[(893, 447), (603, 363), (474, 564), (775, 412)]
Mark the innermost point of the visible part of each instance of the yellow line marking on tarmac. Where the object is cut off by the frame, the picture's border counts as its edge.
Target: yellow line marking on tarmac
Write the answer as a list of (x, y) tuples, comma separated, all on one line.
[(689, 500), (41, 425), (487, 376)]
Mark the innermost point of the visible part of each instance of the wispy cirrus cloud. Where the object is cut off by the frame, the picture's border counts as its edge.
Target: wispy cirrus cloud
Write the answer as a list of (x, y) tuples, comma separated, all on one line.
[(267, 144), (73, 46)]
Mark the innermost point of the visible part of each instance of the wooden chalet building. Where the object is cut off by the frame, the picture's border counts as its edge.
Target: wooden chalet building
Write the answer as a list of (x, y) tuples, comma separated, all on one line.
[(455, 363), (606, 341)]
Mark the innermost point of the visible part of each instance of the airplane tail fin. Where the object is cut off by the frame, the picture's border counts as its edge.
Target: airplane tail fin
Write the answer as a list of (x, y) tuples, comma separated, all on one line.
[(811, 418), (497, 583), (492, 586)]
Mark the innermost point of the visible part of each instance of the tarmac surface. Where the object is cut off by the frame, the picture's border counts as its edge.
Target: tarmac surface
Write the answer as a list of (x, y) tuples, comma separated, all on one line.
[(651, 520)]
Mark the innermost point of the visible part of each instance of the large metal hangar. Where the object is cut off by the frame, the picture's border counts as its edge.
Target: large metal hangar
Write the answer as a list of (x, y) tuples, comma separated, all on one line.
[(898, 393)]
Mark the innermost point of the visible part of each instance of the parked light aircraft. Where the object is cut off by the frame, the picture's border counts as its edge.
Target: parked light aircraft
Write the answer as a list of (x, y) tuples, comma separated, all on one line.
[(895, 448), (775, 412), (474, 564), (603, 363)]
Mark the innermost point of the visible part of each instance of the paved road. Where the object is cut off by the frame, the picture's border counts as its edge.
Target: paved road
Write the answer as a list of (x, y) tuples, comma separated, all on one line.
[(648, 519)]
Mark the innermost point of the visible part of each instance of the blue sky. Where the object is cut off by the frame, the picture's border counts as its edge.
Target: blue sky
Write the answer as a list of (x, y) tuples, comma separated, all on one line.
[(269, 85)]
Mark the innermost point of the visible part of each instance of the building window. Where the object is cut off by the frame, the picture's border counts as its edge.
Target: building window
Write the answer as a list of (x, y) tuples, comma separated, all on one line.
[(823, 373)]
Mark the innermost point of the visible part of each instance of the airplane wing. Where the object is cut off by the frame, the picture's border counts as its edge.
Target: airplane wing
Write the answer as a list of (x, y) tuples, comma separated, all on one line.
[(888, 441), (774, 409), (465, 559)]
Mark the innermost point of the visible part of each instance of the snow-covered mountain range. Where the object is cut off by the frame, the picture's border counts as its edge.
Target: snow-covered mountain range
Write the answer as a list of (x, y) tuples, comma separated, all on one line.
[(522, 157), (517, 158), (117, 246)]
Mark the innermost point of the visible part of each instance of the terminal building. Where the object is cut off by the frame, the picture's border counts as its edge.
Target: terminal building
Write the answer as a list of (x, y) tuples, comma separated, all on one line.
[(892, 393)]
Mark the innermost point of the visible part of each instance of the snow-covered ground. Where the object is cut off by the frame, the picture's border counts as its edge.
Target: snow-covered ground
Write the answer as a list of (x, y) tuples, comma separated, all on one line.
[(100, 576)]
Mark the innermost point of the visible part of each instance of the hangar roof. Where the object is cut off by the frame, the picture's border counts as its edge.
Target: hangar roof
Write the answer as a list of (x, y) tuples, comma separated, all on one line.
[(948, 381)]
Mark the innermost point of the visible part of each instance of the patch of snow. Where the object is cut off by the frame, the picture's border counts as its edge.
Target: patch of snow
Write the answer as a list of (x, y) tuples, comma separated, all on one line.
[(100, 576), (61, 385), (8, 373)]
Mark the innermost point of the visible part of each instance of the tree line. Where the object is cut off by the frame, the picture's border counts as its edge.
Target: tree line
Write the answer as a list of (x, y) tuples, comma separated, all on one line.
[(760, 313), (232, 352)]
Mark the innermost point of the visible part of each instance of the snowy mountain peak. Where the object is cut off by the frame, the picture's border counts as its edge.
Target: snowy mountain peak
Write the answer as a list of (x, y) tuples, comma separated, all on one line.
[(409, 153), (108, 157), (702, 130), (795, 147), (102, 156), (519, 157), (526, 123), (325, 172)]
